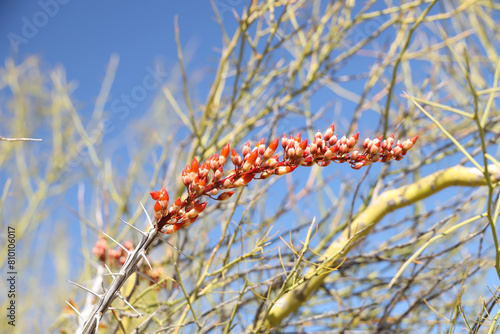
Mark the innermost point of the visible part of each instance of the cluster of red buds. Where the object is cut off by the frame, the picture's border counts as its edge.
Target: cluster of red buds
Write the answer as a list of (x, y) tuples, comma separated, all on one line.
[(110, 256), (260, 163)]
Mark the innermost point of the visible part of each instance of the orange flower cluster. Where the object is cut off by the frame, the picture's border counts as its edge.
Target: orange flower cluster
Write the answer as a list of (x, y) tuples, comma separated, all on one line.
[(260, 163)]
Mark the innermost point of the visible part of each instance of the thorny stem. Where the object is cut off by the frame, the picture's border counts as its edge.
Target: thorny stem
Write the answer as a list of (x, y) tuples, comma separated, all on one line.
[(128, 268), (259, 163)]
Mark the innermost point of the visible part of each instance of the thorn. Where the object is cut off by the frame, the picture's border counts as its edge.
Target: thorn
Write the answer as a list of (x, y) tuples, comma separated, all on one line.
[(84, 288), (151, 225), (97, 323), (112, 274), (177, 249), (119, 244), (74, 309), (135, 228), (126, 302), (109, 270), (143, 254), (147, 277)]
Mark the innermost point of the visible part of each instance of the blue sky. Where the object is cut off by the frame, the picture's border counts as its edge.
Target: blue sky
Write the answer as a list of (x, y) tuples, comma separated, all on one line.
[(82, 35)]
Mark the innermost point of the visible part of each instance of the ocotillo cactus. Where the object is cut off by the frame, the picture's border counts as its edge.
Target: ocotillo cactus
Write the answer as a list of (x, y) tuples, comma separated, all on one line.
[(207, 179)]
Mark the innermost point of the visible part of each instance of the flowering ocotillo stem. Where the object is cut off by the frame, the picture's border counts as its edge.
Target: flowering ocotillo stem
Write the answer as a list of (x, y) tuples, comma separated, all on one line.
[(260, 163), (207, 179)]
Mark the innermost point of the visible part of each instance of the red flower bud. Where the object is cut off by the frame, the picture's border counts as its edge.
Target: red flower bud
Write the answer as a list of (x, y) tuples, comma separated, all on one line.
[(271, 149), (196, 210), (366, 142), (264, 175), (314, 148), (224, 196), (246, 149), (203, 182), (225, 151), (194, 165), (273, 162), (205, 168), (284, 170), (333, 140), (218, 174), (274, 144), (328, 155), (245, 179), (186, 180), (397, 151), (328, 133), (284, 142), (351, 142), (303, 145), (320, 143), (407, 144), (261, 147), (374, 149), (222, 160), (236, 158), (227, 183), (169, 229), (214, 162), (200, 207), (357, 165), (390, 140), (250, 161)]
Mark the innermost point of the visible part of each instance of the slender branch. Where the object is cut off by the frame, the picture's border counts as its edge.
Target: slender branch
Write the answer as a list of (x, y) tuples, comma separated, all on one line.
[(19, 139), (366, 221)]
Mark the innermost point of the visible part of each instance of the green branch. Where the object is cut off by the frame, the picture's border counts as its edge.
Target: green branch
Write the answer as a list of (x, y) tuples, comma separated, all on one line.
[(380, 206)]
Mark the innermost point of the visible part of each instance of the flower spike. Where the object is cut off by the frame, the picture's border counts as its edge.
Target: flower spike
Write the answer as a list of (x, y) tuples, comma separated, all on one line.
[(207, 178)]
